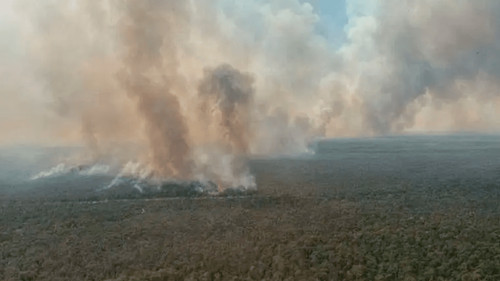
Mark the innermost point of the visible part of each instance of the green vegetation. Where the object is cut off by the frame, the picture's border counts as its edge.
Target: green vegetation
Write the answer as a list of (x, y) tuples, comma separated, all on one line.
[(245, 238)]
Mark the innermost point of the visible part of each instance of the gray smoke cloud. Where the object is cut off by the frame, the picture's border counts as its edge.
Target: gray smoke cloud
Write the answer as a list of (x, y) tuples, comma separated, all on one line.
[(199, 86), (422, 51), (227, 97), (231, 93)]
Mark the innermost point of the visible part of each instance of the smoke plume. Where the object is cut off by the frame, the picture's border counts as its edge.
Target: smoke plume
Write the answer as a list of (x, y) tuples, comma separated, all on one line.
[(148, 31), (197, 87), (230, 92)]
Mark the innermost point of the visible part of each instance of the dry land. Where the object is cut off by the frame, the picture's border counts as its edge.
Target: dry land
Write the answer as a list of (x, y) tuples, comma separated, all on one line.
[(405, 208), (257, 237)]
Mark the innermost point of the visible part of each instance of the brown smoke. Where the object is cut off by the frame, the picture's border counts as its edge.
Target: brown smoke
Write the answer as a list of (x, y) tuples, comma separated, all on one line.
[(197, 86), (148, 30)]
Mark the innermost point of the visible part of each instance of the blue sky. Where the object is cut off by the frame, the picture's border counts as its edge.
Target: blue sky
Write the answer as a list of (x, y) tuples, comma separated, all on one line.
[(333, 18)]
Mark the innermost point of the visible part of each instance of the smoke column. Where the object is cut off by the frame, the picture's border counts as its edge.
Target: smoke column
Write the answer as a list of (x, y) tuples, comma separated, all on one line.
[(226, 108), (231, 93), (199, 86), (148, 29)]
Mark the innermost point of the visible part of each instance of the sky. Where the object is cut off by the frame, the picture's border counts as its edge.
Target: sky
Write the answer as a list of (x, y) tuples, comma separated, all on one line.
[(204, 81), (333, 19)]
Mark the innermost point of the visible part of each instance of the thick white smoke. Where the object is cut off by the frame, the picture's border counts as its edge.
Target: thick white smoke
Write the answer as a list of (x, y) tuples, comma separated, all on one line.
[(198, 86), (63, 169)]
